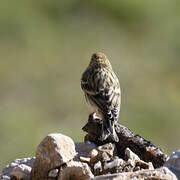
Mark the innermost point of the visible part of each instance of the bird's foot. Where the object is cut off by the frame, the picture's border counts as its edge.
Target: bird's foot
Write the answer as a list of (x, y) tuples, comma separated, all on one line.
[(109, 136)]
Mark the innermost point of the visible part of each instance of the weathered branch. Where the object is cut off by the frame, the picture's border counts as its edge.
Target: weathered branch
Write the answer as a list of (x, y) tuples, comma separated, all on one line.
[(143, 148)]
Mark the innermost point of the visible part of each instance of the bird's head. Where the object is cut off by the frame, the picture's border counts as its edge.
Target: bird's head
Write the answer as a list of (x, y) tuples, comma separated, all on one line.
[(100, 60)]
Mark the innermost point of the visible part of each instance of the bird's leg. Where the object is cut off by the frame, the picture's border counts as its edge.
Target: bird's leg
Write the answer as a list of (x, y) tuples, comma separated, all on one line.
[(105, 132), (108, 131), (113, 135)]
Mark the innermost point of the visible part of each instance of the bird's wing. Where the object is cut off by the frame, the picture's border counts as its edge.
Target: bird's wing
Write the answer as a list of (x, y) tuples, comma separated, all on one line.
[(103, 88), (86, 82)]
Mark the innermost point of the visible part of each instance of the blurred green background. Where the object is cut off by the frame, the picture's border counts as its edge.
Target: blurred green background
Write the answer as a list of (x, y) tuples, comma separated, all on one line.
[(45, 46)]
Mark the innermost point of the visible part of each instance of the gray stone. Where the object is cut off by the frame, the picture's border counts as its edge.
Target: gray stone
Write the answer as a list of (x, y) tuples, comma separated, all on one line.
[(93, 153), (98, 165), (4, 177), (157, 174), (84, 148), (108, 148), (131, 155), (104, 153), (144, 165), (173, 163), (84, 159), (53, 151), (76, 171), (21, 171), (114, 163), (97, 169), (22, 165)]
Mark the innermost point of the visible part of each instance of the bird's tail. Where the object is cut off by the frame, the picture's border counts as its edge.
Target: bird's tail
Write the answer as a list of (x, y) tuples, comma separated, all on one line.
[(108, 131)]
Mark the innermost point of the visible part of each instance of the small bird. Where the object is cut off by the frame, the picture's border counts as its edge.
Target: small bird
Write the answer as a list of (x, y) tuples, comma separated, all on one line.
[(102, 93)]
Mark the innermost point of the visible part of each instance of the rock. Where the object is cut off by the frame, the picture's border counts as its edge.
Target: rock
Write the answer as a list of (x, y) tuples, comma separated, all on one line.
[(93, 153), (4, 177), (143, 148), (23, 166), (134, 163), (132, 158), (104, 160), (102, 153), (76, 171), (21, 171), (104, 156), (143, 165), (53, 151), (151, 167), (84, 148), (116, 176), (109, 148), (105, 153), (97, 168), (173, 163), (157, 174), (84, 159), (98, 165), (113, 164), (53, 173), (131, 155)]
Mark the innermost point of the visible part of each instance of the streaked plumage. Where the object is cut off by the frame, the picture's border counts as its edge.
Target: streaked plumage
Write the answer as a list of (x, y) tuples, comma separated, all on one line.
[(102, 92)]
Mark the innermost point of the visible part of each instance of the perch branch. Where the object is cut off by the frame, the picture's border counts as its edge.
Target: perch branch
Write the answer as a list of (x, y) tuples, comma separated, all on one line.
[(143, 148)]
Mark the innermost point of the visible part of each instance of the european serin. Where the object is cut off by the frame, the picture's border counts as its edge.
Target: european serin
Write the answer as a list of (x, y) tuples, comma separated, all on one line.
[(102, 92)]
